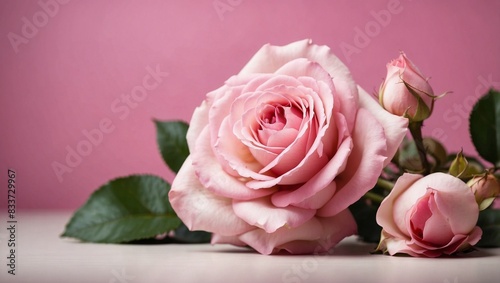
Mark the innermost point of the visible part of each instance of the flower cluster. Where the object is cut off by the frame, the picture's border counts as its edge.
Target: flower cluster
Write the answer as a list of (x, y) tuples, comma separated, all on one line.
[(282, 149), (432, 213), (292, 155)]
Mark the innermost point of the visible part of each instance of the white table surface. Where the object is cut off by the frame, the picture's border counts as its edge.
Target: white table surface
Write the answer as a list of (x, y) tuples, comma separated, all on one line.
[(44, 257)]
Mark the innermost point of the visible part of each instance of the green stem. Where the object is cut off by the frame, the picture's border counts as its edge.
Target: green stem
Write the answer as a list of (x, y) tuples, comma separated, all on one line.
[(384, 184), (416, 132), (374, 197)]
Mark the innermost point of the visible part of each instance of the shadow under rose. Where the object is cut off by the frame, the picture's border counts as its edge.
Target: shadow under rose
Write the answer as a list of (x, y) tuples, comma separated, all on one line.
[(354, 248), (232, 250), (475, 253)]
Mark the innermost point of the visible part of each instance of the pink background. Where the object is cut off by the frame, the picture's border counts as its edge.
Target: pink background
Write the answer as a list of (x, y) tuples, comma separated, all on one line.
[(70, 73)]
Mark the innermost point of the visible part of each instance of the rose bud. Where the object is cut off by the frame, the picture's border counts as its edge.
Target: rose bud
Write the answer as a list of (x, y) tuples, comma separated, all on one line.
[(496, 203), (428, 216), (405, 91), (485, 188)]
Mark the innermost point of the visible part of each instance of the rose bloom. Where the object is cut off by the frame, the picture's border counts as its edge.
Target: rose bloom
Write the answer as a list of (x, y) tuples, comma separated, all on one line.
[(428, 216), (280, 151), (406, 91)]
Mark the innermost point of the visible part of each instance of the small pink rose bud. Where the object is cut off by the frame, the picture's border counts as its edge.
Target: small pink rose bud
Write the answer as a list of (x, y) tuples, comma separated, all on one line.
[(405, 91), (496, 204), (485, 188)]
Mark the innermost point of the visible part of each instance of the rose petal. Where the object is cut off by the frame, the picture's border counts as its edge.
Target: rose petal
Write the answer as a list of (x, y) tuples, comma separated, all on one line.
[(262, 213), (395, 127), (316, 200), (198, 122), (211, 175), (266, 243), (435, 229), (196, 206), (456, 244), (335, 229), (234, 156), (396, 245), (277, 80), (363, 167), (220, 109), (386, 214), (472, 238), (459, 207), (324, 232), (414, 77), (231, 240), (320, 181), (303, 67), (250, 82), (421, 212)]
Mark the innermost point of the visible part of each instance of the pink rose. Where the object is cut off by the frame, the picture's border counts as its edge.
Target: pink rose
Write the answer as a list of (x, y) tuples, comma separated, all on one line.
[(405, 91), (428, 216), (280, 151)]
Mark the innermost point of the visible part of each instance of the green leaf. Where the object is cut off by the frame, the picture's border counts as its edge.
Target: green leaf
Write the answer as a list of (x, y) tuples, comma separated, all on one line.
[(489, 221), (484, 126), (171, 138), (123, 210)]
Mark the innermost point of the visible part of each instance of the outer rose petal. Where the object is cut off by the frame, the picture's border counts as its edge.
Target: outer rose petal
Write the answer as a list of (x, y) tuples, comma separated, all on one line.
[(394, 245), (317, 200), (198, 122), (471, 240), (395, 127), (363, 167), (261, 213), (315, 236), (462, 220), (231, 240), (385, 213), (335, 228), (196, 206), (397, 245)]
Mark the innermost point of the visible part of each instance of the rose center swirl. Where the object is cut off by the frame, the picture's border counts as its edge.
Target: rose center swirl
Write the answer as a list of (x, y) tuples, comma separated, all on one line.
[(275, 118)]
